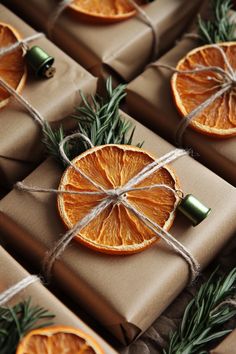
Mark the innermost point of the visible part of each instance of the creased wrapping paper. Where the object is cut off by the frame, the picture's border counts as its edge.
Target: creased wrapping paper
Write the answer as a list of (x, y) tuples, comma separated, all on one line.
[(11, 273), (121, 50), (125, 293), (151, 101), (20, 136), (227, 346)]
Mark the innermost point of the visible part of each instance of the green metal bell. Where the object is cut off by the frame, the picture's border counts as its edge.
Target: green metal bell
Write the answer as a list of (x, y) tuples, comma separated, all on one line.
[(40, 62), (193, 209)]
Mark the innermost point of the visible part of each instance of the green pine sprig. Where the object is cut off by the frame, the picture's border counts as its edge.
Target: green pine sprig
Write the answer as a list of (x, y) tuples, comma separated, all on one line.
[(98, 119), (17, 320), (202, 321), (219, 28)]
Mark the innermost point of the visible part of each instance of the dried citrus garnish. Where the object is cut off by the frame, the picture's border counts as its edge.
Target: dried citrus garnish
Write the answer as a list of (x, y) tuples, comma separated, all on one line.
[(190, 90), (117, 230), (105, 10), (12, 65), (58, 340)]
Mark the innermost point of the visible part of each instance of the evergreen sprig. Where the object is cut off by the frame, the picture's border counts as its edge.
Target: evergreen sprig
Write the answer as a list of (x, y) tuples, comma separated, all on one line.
[(202, 320), (16, 321), (219, 28), (98, 119)]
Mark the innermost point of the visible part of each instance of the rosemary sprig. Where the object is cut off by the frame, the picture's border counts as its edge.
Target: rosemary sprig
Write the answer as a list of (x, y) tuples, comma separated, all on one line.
[(16, 321), (202, 320), (98, 119), (219, 29)]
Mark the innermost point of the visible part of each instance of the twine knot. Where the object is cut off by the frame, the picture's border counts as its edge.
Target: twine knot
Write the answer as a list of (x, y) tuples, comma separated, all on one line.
[(225, 79), (116, 195)]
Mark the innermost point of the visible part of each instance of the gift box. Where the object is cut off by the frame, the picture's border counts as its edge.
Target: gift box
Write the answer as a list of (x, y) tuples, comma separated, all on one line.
[(11, 273), (125, 293), (150, 100), (227, 346), (54, 98), (122, 49)]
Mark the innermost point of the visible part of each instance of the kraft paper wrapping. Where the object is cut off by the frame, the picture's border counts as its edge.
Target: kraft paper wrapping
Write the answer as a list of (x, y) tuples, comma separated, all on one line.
[(150, 100), (11, 272), (227, 346), (125, 293), (20, 147), (121, 50)]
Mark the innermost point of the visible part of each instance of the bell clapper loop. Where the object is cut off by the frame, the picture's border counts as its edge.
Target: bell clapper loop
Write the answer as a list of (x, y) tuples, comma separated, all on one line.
[(180, 193)]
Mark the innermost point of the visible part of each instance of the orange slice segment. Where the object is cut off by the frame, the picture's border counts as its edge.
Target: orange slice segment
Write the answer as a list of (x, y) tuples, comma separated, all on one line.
[(105, 10), (58, 340), (190, 90), (117, 230), (12, 66)]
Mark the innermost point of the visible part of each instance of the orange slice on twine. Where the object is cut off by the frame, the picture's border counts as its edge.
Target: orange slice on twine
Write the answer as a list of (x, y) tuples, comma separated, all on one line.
[(190, 90), (12, 66), (56, 340), (103, 11), (117, 230)]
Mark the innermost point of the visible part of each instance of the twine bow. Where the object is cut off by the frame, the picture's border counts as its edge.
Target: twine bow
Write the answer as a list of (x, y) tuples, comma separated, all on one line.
[(112, 197), (63, 4), (226, 80)]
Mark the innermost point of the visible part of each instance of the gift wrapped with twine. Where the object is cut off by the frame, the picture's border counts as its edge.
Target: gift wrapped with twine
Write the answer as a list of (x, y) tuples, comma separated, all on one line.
[(124, 48), (18, 285), (150, 100), (102, 282), (54, 98)]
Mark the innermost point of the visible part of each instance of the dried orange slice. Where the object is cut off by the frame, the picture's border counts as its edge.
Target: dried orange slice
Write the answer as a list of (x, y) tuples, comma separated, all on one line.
[(58, 340), (12, 66), (190, 90), (117, 230), (104, 11)]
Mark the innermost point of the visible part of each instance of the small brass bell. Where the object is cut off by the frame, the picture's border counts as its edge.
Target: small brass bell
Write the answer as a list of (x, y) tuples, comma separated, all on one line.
[(193, 209), (40, 62)]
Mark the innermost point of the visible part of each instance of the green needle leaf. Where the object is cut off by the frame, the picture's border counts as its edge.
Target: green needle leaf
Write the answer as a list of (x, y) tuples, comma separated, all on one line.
[(219, 29), (202, 320)]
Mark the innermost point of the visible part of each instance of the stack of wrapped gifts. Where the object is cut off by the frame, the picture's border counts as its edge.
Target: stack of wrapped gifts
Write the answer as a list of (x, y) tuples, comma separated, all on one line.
[(117, 176)]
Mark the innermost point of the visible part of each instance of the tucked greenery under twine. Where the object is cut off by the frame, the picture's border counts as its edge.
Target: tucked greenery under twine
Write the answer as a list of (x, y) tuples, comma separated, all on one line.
[(202, 320), (16, 321), (219, 28), (99, 119)]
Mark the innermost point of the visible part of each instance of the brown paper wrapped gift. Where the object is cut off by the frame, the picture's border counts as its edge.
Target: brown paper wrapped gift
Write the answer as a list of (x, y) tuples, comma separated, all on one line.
[(227, 346), (121, 49), (54, 98), (126, 293), (150, 100), (11, 273)]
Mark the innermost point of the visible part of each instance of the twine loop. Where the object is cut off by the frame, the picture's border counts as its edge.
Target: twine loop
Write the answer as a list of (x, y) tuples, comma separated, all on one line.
[(113, 197), (225, 81)]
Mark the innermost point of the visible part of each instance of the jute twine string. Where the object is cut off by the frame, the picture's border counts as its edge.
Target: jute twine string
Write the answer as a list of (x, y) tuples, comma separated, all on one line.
[(63, 4), (225, 81), (8, 294), (21, 43), (33, 112), (113, 197), (6, 50)]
